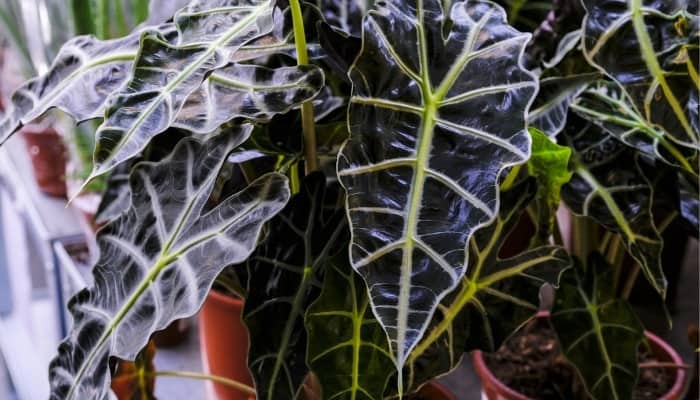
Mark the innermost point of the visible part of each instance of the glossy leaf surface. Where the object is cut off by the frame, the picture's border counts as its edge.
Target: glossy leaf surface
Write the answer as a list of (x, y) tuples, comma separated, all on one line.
[(247, 91), (434, 118), (607, 106), (345, 15), (166, 74), (650, 47), (609, 186), (348, 349), (79, 81), (285, 274), (473, 316), (556, 94), (159, 258), (599, 333)]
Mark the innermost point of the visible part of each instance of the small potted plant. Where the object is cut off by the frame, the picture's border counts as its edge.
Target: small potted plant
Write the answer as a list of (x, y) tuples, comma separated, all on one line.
[(372, 274)]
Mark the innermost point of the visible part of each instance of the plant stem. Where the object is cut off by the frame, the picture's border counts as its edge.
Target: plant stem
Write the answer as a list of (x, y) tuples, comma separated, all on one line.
[(215, 378), (294, 178), (556, 233), (629, 282), (510, 178), (581, 237), (307, 111)]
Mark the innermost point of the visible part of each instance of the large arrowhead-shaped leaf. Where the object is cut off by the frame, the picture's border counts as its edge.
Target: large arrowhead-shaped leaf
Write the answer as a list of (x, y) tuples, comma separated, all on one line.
[(166, 74), (650, 47), (607, 106), (434, 119), (494, 300), (79, 82), (609, 186), (159, 259), (598, 333), (285, 274), (348, 349)]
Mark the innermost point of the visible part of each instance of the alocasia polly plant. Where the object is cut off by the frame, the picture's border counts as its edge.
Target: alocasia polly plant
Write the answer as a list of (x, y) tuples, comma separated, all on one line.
[(383, 152)]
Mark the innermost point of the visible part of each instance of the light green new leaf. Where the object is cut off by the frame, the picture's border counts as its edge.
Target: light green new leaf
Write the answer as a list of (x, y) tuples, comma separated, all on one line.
[(166, 74), (609, 186), (437, 111), (650, 48), (549, 164), (495, 298), (599, 333), (607, 106), (348, 349), (159, 258)]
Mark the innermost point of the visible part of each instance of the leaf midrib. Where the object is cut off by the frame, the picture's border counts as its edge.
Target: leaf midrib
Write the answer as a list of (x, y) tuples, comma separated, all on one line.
[(206, 55)]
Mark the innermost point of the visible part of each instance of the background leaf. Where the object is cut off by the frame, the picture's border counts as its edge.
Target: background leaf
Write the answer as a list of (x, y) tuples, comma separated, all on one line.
[(165, 74), (650, 48), (434, 118), (285, 274), (609, 186), (79, 81), (599, 334), (551, 106), (348, 349), (159, 259), (607, 106)]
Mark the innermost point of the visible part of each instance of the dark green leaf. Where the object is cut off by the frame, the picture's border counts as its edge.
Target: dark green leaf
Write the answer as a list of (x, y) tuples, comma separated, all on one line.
[(348, 349), (650, 47), (551, 106), (549, 164), (159, 259), (79, 82), (495, 299), (345, 15), (166, 74), (690, 204), (607, 106), (285, 274), (599, 333), (437, 112), (526, 15), (609, 186)]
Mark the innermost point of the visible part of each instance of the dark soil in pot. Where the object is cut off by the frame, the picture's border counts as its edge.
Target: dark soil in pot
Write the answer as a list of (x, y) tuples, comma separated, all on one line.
[(531, 363)]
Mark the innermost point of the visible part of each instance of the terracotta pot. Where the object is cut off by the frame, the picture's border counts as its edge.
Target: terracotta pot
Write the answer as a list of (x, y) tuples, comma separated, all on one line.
[(224, 343), (435, 391), (48, 155), (497, 390)]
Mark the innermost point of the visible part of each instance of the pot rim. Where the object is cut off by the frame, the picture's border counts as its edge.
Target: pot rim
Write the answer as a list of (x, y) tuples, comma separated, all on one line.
[(676, 389), (221, 297)]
